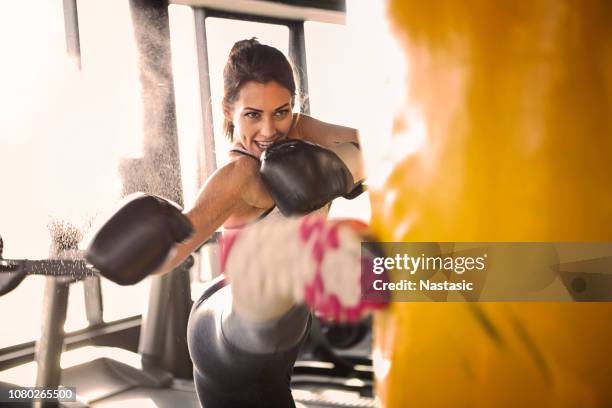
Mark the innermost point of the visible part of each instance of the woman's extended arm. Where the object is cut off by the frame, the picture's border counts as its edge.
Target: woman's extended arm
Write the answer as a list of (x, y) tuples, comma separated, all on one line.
[(230, 189)]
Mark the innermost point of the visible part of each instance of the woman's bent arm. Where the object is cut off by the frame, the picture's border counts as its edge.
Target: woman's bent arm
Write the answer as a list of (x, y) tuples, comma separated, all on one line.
[(230, 189)]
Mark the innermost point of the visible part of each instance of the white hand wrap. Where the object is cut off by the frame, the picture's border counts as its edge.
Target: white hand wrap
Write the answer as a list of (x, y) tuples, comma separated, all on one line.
[(275, 264)]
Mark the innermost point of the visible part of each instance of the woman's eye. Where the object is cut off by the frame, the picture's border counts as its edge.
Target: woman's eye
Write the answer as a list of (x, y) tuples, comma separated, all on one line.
[(281, 113), (252, 115)]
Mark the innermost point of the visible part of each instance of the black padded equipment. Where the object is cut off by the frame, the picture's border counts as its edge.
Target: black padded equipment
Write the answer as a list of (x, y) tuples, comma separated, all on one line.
[(137, 238), (10, 275), (302, 177)]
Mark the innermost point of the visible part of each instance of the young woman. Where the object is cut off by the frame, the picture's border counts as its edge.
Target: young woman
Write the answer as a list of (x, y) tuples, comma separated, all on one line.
[(243, 341), (260, 93)]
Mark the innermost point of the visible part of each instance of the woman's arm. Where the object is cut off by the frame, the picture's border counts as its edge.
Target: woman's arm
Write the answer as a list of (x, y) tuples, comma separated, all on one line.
[(339, 139), (324, 134), (232, 188)]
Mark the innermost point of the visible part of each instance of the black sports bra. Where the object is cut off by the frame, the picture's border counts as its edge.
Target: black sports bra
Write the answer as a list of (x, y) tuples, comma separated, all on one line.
[(244, 153)]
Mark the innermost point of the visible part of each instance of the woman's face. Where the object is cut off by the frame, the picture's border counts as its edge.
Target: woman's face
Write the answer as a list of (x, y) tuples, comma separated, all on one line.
[(261, 115)]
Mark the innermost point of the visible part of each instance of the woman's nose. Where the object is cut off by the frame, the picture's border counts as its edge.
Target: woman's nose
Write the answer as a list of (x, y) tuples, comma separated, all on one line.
[(268, 128)]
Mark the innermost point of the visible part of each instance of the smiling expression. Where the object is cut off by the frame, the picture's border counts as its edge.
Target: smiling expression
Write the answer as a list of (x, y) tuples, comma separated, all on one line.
[(261, 115)]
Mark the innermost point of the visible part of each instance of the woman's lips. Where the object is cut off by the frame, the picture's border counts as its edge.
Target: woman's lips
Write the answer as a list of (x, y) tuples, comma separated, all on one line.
[(264, 145)]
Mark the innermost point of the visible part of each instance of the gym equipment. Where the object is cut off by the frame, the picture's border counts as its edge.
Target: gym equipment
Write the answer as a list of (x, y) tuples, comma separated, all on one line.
[(11, 277), (14, 271)]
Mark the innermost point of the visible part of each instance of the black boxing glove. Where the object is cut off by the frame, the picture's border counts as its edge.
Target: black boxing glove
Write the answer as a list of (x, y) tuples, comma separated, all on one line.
[(302, 177), (137, 238)]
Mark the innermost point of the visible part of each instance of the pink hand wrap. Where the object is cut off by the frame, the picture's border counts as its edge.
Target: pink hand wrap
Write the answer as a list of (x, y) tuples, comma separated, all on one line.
[(325, 301)]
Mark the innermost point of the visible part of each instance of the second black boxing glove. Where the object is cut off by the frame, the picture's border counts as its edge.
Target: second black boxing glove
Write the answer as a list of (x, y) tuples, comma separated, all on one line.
[(302, 177), (135, 240)]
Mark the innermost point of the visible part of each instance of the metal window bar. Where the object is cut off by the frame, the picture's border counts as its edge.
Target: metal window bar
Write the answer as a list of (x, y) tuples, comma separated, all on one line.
[(91, 286), (71, 28)]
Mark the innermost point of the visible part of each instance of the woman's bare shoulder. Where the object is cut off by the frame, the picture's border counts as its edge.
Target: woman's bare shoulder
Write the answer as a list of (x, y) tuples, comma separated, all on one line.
[(325, 134), (245, 173), (243, 167), (233, 188)]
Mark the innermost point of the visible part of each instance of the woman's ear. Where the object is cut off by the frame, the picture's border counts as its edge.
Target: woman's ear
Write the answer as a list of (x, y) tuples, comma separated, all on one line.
[(227, 113)]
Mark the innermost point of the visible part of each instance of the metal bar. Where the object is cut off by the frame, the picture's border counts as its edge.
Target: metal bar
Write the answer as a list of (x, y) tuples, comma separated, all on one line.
[(71, 27), (154, 322), (231, 15), (176, 356), (73, 268), (297, 54), (55, 307), (92, 292), (333, 5), (124, 331), (91, 286), (163, 339), (49, 347), (59, 267), (207, 160)]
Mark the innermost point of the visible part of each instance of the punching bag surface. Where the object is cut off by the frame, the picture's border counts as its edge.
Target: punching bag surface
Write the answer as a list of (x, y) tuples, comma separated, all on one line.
[(517, 101)]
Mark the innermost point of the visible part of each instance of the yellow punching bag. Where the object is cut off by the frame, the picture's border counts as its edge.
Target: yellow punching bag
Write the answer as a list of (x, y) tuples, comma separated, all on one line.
[(516, 97)]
